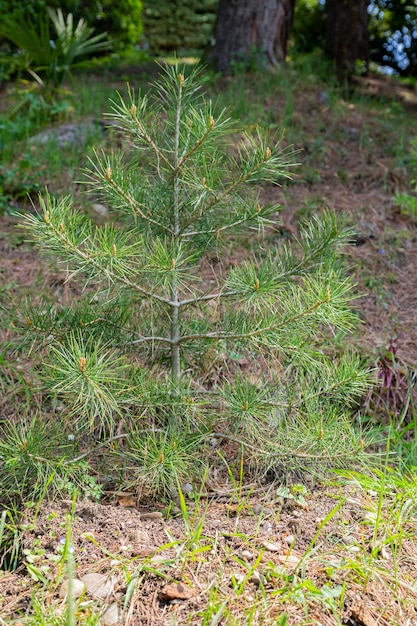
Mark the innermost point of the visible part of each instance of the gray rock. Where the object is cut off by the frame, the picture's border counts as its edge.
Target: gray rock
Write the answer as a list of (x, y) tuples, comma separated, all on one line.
[(98, 585), (66, 135), (78, 588), (272, 547), (111, 615), (246, 555), (100, 208), (187, 488)]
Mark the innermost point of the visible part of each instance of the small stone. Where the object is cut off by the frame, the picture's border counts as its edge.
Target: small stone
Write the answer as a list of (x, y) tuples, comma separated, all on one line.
[(257, 509), (78, 588), (289, 560), (111, 615), (239, 578), (246, 555), (177, 591), (152, 515), (98, 585), (294, 527), (187, 488), (139, 536), (255, 577), (267, 526), (271, 547), (289, 539), (349, 539), (100, 208)]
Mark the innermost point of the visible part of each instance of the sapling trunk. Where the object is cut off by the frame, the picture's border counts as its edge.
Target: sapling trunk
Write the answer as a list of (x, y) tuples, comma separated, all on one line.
[(175, 313)]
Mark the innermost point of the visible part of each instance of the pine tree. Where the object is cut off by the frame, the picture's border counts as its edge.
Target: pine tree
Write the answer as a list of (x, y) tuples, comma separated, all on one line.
[(134, 349)]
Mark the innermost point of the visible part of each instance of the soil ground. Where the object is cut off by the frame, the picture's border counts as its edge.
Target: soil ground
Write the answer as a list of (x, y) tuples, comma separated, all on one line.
[(274, 534)]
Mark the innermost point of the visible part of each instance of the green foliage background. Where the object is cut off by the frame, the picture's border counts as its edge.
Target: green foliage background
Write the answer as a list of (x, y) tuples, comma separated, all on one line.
[(121, 19), (181, 25)]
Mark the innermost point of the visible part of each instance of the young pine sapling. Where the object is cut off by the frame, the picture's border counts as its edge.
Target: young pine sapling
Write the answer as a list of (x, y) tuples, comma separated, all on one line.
[(164, 297)]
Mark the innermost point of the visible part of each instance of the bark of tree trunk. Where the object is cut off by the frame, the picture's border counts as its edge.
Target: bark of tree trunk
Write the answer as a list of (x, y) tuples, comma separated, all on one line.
[(347, 38), (251, 32)]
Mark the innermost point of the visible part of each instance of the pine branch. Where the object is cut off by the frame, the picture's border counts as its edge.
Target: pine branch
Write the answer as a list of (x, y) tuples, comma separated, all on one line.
[(132, 203), (131, 117), (262, 330), (89, 260)]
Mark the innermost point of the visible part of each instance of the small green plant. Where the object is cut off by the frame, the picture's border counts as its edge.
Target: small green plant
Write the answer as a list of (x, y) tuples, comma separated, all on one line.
[(48, 56), (295, 493), (9, 540), (34, 460), (161, 298), (407, 203), (162, 461)]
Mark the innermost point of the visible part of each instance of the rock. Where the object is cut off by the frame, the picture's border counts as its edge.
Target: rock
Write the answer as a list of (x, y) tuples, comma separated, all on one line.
[(78, 588), (349, 540), (257, 509), (100, 208), (66, 135), (289, 539), (139, 536), (255, 578), (98, 585), (187, 488), (111, 615), (267, 527), (324, 97), (271, 547), (289, 560), (177, 591), (151, 515), (246, 555)]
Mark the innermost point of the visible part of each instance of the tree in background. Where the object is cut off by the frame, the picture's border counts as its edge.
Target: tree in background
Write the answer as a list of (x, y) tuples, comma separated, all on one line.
[(347, 38), (253, 32), (392, 31), (184, 25)]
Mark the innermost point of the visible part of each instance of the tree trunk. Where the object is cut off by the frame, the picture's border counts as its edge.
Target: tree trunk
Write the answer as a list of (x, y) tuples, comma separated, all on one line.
[(347, 38), (251, 32)]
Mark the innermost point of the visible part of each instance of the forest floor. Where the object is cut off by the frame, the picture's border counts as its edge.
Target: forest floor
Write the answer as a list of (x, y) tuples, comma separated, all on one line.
[(341, 550)]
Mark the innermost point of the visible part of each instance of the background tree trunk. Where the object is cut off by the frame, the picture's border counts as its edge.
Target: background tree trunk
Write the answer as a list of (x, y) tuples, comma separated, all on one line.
[(251, 32), (347, 38)]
